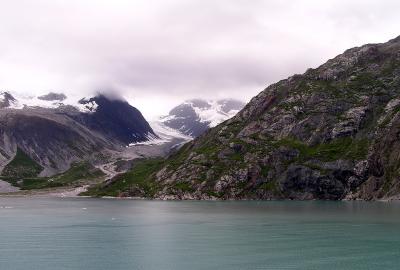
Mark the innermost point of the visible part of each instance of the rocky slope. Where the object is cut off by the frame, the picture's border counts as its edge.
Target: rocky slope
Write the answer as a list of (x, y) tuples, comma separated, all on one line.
[(55, 134), (330, 133), (194, 117)]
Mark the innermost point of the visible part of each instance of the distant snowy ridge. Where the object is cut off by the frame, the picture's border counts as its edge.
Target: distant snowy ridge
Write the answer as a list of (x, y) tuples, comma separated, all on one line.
[(50, 100), (195, 116), (213, 114)]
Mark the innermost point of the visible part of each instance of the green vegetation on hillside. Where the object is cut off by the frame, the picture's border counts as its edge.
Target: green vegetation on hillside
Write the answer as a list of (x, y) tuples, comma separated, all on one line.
[(21, 166), (341, 148), (136, 182), (78, 174)]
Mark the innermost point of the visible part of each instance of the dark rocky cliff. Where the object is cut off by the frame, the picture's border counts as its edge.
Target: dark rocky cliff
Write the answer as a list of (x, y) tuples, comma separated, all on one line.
[(117, 120)]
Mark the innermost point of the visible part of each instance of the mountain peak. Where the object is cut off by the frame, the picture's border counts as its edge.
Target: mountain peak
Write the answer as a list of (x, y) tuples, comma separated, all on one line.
[(6, 100), (115, 116), (195, 116)]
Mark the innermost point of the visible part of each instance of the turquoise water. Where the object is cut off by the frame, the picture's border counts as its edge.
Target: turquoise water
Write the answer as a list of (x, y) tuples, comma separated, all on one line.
[(52, 234)]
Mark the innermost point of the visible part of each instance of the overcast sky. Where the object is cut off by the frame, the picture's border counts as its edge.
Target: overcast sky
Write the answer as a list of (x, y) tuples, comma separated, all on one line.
[(157, 53)]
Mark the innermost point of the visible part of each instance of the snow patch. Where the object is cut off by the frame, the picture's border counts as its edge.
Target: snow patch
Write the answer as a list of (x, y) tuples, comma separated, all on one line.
[(164, 133), (214, 114), (22, 101), (32, 101), (87, 105)]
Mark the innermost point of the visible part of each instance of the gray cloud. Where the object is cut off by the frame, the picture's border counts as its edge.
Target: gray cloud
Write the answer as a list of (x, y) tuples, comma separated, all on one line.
[(159, 52)]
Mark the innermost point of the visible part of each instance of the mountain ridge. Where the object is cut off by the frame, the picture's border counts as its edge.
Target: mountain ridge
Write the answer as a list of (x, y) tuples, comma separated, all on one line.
[(330, 133)]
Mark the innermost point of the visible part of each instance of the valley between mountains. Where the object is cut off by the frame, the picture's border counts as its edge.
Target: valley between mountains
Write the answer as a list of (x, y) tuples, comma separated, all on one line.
[(331, 133), (59, 146)]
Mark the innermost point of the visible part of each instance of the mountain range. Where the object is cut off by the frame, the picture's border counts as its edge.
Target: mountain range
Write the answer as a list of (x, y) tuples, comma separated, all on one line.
[(50, 138), (331, 133)]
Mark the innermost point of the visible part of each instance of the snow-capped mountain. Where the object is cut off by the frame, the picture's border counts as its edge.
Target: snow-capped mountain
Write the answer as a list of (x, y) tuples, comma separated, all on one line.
[(195, 116), (55, 130)]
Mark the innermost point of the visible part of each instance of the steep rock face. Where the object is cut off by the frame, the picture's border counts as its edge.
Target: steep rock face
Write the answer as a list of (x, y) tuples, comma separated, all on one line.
[(331, 133), (384, 161), (194, 117), (116, 119), (52, 140)]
